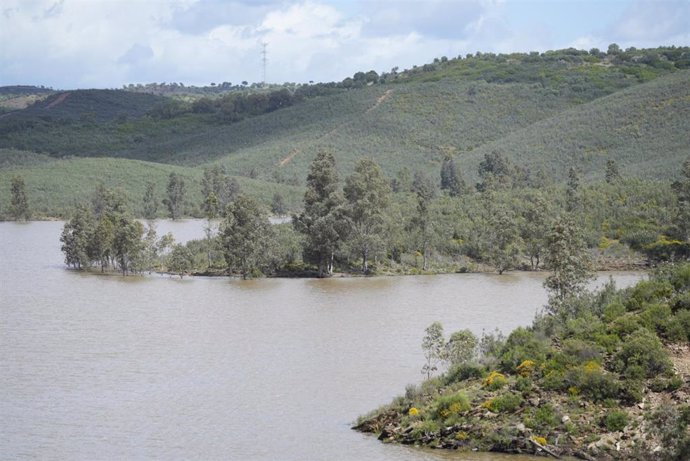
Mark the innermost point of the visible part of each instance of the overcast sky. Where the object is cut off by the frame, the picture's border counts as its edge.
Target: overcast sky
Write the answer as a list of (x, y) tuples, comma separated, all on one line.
[(107, 43)]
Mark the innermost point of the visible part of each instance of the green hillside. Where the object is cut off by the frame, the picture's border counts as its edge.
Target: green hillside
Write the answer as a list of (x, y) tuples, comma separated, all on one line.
[(545, 111), (54, 186), (645, 129)]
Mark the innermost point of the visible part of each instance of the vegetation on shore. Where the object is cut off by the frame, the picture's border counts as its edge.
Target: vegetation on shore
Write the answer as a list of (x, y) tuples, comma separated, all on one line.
[(601, 376)]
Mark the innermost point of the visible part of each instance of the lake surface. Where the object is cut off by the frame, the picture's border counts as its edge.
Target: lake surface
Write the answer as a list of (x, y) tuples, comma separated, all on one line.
[(108, 367)]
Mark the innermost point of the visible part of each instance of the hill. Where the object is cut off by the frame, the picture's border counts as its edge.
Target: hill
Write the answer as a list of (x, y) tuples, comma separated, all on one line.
[(545, 111), (55, 186)]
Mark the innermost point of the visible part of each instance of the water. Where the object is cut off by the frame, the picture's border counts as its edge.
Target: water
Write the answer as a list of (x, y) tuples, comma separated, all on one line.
[(107, 367)]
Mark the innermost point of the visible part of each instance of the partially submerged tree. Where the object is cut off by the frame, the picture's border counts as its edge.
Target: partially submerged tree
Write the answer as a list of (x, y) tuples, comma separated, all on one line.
[(246, 237), (19, 203)]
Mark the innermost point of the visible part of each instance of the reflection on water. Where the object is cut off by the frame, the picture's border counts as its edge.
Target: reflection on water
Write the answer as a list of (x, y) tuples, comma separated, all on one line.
[(108, 367)]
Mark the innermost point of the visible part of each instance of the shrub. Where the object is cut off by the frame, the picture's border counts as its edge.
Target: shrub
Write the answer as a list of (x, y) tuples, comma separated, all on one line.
[(643, 349), (631, 391), (526, 368), (615, 421), (581, 351), (648, 291), (521, 345), (505, 403), (681, 323), (449, 405), (593, 381), (461, 347), (464, 372), (495, 381), (613, 311), (523, 384), (681, 302), (656, 317), (544, 418)]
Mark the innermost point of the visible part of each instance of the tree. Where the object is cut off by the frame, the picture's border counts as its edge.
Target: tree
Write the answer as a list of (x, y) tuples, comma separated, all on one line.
[(106, 201), (568, 261), (127, 242), (367, 194), (150, 201), (535, 226), (176, 193), (495, 171), (433, 346), (321, 222), (461, 348), (181, 260), (612, 174), (246, 235), (278, 207), (681, 218), (421, 221), (75, 238), (451, 181), (572, 191), (503, 239), (19, 204)]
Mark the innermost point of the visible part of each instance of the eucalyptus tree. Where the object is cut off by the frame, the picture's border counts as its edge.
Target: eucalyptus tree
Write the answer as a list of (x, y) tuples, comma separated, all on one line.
[(451, 181), (422, 221), (367, 197), (246, 237), (19, 204), (75, 238), (176, 191), (321, 221), (150, 201), (569, 262)]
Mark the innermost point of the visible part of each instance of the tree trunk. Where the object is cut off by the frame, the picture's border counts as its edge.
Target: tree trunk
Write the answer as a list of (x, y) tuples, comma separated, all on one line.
[(365, 265)]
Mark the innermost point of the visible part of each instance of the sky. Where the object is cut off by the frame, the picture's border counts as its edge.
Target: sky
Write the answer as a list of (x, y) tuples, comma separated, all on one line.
[(68, 44)]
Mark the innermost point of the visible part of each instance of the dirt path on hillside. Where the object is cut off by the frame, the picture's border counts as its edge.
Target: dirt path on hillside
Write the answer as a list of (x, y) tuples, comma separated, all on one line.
[(380, 100), (59, 100)]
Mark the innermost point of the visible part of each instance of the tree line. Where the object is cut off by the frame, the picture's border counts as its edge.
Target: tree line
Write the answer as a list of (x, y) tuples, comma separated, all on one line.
[(369, 223)]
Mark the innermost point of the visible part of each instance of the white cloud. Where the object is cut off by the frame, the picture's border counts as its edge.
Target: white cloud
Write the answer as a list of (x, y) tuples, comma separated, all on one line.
[(81, 43)]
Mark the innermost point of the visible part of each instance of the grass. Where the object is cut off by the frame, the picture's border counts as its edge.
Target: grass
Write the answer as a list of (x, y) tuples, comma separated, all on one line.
[(54, 186)]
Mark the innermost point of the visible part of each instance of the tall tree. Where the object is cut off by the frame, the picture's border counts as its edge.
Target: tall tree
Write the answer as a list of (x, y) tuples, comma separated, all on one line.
[(176, 194), (535, 226), (495, 172), (321, 222), (451, 181), (433, 345), (19, 204), (568, 260), (681, 216), (150, 201), (367, 194), (75, 238), (246, 236), (425, 192), (503, 239), (127, 242), (612, 174), (572, 191), (278, 207)]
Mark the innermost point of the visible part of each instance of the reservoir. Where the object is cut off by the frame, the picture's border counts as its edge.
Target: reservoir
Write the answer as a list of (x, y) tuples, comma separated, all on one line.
[(108, 367)]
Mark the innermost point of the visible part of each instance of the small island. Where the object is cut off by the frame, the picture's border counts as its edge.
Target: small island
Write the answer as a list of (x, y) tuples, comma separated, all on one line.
[(597, 376)]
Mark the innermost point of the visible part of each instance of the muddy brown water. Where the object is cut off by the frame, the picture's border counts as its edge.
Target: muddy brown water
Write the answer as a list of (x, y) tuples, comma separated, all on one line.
[(108, 367)]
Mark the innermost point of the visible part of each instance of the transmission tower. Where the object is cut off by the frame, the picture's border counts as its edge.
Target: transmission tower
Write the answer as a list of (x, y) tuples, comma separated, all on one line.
[(264, 60)]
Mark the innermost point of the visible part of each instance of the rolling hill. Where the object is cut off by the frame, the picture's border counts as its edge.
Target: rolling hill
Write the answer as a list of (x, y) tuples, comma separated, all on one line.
[(544, 111)]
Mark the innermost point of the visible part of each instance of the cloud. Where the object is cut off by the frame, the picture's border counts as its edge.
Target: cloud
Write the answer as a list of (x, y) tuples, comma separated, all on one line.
[(108, 43)]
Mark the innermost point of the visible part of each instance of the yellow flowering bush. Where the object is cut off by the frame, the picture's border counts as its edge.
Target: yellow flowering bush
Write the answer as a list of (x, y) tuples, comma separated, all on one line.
[(495, 380), (526, 368), (540, 440), (413, 411)]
